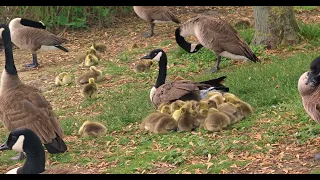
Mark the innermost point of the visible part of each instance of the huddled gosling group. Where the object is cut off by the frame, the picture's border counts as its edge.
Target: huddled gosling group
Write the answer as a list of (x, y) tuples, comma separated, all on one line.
[(214, 113), (90, 78)]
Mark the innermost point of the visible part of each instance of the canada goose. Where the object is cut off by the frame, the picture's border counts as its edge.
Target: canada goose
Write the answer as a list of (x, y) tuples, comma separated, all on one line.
[(215, 121), (24, 106), (155, 14), (158, 123), (98, 47), (176, 105), (63, 79), (246, 108), (185, 118), (92, 129), (25, 140), (314, 73), (93, 73), (212, 93), (90, 89), (166, 109), (82, 57), (142, 66), (179, 89), (32, 36), (91, 60), (231, 110), (217, 35)]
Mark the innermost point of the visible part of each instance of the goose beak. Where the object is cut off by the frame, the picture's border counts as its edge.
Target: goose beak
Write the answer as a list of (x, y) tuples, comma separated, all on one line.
[(146, 57), (4, 146), (311, 80)]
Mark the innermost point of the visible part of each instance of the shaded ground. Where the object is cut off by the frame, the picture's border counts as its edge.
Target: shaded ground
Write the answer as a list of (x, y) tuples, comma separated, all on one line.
[(288, 157)]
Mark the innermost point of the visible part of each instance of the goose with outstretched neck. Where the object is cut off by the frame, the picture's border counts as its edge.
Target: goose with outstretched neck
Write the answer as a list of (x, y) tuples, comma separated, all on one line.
[(23, 106)]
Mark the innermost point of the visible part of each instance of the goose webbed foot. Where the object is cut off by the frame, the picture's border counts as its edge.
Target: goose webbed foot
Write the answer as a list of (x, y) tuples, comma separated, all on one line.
[(213, 70), (32, 65), (147, 35), (19, 157)]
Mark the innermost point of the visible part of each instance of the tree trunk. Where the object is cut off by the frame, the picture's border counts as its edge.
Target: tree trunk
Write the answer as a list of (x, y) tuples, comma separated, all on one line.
[(275, 25)]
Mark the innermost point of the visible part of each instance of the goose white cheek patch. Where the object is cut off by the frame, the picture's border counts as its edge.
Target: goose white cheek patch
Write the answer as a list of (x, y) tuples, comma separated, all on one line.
[(18, 146), (193, 47), (158, 56)]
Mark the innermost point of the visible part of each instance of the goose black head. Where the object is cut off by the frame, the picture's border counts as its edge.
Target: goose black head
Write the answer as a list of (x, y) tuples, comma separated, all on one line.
[(155, 55), (314, 73), (19, 139), (190, 48)]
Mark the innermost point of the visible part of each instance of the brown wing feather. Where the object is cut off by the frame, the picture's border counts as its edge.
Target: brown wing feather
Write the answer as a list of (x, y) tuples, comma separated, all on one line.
[(40, 37), (30, 110), (162, 13), (173, 91)]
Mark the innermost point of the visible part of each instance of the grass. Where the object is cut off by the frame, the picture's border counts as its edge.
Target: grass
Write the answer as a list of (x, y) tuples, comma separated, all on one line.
[(270, 87)]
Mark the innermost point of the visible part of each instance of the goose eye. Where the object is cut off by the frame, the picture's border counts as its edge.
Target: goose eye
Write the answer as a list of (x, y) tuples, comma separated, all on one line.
[(14, 138)]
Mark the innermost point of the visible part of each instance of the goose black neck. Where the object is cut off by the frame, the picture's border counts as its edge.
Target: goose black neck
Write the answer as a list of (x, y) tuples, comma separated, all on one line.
[(181, 41), (162, 71), (30, 23), (9, 64), (35, 162)]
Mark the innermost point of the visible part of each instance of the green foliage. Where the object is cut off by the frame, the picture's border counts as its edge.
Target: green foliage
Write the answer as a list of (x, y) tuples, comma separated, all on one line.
[(61, 16)]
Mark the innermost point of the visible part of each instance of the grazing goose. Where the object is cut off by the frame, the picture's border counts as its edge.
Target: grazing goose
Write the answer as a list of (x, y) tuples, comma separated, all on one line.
[(180, 89), (309, 89), (217, 35), (32, 36), (155, 14), (24, 106), (25, 140)]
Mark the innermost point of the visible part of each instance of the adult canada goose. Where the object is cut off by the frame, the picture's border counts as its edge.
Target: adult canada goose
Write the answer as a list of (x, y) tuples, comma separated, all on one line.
[(89, 90), (180, 89), (309, 90), (62, 79), (217, 35), (25, 140), (32, 36), (24, 106), (94, 129), (93, 73), (155, 14)]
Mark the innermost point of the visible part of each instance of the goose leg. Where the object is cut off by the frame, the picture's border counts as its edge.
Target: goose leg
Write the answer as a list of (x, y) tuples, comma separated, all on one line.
[(216, 68), (151, 30), (19, 157), (34, 61)]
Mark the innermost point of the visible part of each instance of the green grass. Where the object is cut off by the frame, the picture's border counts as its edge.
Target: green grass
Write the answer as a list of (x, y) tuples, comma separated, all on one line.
[(304, 8), (270, 87)]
